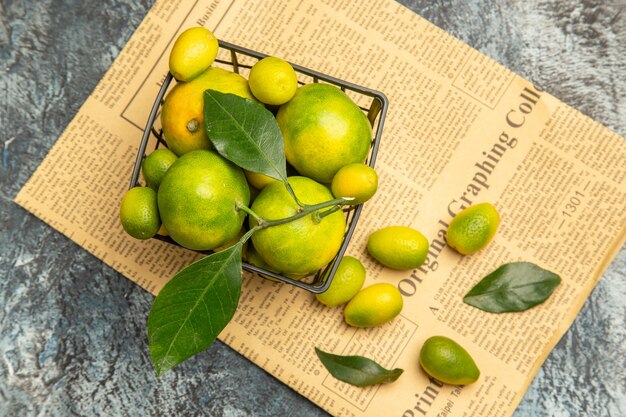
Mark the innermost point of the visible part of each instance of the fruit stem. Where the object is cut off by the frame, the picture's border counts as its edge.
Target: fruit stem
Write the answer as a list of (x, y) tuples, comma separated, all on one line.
[(318, 216), (192, 125), (306, 210), (256, 217), (262, 223), (249, 233)]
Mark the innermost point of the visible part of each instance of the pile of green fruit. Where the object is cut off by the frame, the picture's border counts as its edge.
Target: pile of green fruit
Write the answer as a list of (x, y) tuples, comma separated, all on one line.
[(231, 142), (199, 194)]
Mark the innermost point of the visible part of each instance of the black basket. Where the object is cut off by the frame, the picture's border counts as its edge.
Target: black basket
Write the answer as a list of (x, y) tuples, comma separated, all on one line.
[(240, 59)]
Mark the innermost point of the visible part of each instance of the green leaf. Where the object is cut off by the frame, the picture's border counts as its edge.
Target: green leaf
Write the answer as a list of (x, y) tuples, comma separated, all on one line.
[(516, 286), (357, 370), (246, 133), (194, 307)]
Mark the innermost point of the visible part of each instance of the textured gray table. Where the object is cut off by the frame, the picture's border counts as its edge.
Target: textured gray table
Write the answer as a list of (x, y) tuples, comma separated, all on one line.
[(72, 331)]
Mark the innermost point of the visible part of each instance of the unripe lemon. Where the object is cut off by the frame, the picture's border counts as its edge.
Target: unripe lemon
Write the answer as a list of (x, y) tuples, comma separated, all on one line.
[(348, 280), (273, 81), (473, 228), (358, 181), (155, 165), (445, 360), (398, 247), (139, 213), (374, 305), (193, 52)]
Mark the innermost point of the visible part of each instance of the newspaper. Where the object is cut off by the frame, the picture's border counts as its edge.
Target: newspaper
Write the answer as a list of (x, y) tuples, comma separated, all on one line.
[(461, 129)]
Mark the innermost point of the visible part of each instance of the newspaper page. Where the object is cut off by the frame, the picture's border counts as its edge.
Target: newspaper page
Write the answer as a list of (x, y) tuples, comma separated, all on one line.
[(461, 129)]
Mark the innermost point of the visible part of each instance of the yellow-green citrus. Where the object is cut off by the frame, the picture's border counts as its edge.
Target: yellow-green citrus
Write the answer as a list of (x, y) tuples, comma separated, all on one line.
[(302, 246), (231, 242), (155, 165), (398, 247), (374, 305), (445, 360), (258, 181), (182, 116), (193, 52), (273, 81), (139, 213), (323, 130), (346, 283), (473, 228), (253, 258), (162, 230), (198, 200), (357, 180)]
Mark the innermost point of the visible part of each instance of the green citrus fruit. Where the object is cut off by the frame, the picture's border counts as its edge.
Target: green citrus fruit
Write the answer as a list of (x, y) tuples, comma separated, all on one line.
[(323, 130), (193, 52), (155, 165), (182, 116), (398, 247), (357, 180), (348, 280), (231, 242), (302, 246), (139, 213), (473, 228), (273, 81), (445, 360), (253, 258), (374, 305), (198, 200)]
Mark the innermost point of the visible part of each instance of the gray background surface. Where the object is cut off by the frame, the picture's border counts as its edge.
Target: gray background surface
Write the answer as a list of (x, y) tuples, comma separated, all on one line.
[(72, 331)]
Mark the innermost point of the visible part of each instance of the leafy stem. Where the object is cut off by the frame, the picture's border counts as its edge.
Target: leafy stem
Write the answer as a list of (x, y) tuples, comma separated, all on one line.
[(197, 303), (249, 233), (305, 210)]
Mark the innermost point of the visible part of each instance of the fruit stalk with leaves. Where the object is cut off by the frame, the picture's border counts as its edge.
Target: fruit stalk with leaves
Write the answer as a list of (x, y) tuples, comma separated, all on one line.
[(199, 301)]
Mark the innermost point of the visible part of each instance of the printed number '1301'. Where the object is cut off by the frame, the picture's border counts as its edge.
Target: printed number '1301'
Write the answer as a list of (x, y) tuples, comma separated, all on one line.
[(572, 204)]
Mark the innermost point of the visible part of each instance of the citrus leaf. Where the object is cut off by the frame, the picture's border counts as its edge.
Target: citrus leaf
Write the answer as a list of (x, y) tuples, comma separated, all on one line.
[(357, 370), (246, 133), (193, 308), (516, 286)]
